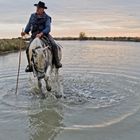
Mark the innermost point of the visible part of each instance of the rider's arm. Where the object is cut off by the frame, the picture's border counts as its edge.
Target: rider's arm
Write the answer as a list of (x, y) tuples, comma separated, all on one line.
[(47, 26), (28, 26)]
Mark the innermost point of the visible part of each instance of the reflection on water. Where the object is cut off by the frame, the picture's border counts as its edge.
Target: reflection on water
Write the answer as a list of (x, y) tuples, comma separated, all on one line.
[(44, 123), (101, 84)]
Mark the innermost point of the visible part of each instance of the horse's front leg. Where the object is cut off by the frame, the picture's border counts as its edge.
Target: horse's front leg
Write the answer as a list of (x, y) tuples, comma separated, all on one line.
[(56, 75), (47, 78), (40, 88)]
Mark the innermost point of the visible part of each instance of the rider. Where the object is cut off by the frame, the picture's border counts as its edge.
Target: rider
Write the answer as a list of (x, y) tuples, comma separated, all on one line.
[(40, 25)]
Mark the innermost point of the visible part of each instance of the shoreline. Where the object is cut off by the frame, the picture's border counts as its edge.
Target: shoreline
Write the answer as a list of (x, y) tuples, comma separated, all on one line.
[(127, 39), (13, 45)]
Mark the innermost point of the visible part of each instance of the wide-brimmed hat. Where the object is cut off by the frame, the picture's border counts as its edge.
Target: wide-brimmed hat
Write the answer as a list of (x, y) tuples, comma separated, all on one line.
[(41, 5)]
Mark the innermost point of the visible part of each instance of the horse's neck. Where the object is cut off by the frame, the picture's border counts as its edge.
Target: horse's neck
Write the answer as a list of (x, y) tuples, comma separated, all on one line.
[(36, 43)]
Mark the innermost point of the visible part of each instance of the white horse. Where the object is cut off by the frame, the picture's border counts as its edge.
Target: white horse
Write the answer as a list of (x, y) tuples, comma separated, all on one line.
[(40, 56)]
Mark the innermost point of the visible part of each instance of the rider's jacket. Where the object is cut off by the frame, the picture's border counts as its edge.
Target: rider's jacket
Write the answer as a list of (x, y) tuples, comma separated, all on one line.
[(38, 24)]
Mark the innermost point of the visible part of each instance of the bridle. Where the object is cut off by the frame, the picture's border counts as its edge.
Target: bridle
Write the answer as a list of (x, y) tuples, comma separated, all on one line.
[(35, 68)]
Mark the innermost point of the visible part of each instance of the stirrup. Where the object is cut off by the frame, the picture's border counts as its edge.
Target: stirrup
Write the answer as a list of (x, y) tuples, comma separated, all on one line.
[(58, 65), (29, 69)]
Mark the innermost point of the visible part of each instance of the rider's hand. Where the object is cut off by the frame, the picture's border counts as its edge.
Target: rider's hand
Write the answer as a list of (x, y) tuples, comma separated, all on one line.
[(23, 33), (39, 35)]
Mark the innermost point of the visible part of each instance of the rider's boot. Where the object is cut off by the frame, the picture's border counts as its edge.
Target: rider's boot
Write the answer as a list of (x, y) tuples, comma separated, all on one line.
[(56, 58), (29, 67)]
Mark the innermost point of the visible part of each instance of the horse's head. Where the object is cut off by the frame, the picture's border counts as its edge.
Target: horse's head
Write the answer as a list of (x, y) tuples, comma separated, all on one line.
[(39, 60)]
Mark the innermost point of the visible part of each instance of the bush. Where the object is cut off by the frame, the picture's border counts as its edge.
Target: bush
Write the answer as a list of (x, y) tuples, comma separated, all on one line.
[(11, 44), (82, 36)]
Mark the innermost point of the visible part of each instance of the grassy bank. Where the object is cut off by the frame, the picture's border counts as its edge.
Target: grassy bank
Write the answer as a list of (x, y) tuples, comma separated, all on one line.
[(9, 45)]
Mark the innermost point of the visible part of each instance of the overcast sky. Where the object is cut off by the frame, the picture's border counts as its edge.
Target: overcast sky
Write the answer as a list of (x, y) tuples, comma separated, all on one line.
[(94, 17)]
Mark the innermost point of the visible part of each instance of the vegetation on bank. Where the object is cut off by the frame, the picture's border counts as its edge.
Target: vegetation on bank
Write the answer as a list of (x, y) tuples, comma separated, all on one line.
[(8, 45), (82, 36), (129, 39)]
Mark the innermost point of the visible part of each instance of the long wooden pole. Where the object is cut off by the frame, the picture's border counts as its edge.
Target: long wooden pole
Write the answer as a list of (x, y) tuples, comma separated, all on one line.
[(19, 63)]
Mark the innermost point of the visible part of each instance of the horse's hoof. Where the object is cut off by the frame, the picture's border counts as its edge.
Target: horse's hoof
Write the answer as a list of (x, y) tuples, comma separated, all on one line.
[(58, 96), (49, 88)]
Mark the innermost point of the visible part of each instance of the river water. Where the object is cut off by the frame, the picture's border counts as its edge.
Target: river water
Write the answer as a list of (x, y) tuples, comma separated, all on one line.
[(100, 82)]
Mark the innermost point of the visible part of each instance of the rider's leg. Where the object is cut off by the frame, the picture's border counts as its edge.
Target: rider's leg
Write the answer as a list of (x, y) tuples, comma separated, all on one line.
[(27, 54), (29, 67), (55, 52)]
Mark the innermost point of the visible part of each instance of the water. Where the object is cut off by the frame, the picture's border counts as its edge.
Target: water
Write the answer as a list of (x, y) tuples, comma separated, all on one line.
[(101, 85)]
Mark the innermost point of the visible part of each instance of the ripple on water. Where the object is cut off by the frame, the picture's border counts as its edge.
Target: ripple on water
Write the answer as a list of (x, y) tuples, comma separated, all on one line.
[(84, 93), (101, 90)]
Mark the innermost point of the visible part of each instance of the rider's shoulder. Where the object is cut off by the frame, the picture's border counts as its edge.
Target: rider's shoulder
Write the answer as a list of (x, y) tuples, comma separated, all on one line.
[(33, 14), (47, 16)]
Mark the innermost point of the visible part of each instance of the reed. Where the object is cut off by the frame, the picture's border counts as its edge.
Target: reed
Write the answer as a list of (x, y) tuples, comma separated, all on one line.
[(8, 45)]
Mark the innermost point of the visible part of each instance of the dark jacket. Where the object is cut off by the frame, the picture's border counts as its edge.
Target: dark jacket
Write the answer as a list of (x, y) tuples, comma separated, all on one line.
[(38, 24)]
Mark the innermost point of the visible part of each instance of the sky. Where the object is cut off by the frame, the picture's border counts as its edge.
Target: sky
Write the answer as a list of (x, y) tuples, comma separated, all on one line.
[(70, 17)]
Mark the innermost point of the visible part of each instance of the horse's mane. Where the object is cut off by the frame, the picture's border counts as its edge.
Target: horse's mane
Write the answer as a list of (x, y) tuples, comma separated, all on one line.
[(35, 43)]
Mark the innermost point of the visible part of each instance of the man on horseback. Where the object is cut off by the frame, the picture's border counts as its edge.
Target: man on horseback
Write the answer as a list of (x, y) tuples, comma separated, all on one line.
[(40, 25)]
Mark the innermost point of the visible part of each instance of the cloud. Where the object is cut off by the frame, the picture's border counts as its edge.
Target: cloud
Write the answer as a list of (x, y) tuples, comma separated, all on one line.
[(89, 15)]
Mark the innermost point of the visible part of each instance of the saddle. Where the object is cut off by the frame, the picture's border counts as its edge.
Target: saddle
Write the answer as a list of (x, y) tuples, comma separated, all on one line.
[(47, 42), (54, 49)]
